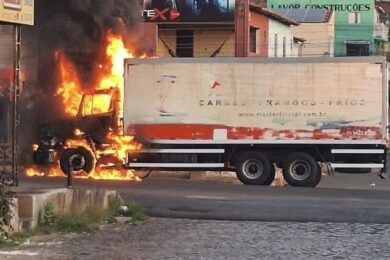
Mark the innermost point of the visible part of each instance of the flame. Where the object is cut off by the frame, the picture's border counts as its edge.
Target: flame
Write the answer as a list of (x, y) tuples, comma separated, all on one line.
[(78, 132), (50, 171), (120, 145), (111, 156), (35, 147), (108, 173), (70, 87), (116, 52), (113, 174)]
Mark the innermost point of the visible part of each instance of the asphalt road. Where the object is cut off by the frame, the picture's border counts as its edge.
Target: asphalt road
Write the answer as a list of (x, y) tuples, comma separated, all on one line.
[(362, 198)]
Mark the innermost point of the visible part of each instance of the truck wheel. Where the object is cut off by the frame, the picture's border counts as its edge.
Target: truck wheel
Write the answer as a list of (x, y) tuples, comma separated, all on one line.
[(80, 159), (300, 169), (253, 168)]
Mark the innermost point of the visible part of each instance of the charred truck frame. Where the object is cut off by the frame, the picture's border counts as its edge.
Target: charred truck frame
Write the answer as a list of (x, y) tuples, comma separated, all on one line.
[(91, 128)]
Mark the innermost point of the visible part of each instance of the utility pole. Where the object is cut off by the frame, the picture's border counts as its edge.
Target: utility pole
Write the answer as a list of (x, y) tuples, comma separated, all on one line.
[(15, 101)]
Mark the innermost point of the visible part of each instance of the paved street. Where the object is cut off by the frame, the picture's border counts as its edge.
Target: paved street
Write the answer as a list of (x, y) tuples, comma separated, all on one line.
[(359, 202), (164, 238), (160, 238)]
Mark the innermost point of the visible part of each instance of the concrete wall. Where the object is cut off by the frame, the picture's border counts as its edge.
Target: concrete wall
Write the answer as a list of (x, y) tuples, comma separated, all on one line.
[(30, 204)]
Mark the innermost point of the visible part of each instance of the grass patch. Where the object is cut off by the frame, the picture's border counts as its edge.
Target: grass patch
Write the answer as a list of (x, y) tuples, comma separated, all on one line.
[(75, 222), (69, 223)]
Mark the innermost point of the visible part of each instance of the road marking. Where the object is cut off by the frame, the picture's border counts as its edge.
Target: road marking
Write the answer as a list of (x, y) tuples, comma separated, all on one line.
[(205, 197), (19, 252)]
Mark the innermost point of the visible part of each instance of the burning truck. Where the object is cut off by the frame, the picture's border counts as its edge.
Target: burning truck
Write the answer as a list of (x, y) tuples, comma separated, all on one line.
[(79, 47), (227, 114), (89, 141)]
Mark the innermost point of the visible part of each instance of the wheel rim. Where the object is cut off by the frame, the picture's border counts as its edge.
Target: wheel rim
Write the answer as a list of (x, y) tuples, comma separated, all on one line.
[(253, 169), (300, 170), (77, 162)]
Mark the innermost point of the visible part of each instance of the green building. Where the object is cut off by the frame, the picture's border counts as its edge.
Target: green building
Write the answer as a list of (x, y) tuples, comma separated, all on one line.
[(355, 23)]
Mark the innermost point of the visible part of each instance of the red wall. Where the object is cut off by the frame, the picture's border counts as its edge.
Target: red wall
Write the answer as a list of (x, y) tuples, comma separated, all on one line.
[(242, 28), (260, 21)]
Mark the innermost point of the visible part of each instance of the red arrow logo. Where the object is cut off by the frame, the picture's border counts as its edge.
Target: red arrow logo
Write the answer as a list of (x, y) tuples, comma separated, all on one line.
[(174, 14), (160, 14)]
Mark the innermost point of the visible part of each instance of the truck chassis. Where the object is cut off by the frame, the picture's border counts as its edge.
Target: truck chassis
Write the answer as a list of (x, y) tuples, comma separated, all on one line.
[(254, 161)]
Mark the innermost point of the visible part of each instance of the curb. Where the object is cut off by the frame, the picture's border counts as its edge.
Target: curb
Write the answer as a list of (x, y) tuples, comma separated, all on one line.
[(29, 205)]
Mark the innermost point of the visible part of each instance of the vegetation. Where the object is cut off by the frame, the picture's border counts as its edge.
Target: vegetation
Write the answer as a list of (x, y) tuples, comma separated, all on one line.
[(6, 204), (88, 221), (6, 213)]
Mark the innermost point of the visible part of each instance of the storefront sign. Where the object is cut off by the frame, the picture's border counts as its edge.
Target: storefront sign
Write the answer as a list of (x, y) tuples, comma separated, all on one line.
[(17, 11), (188, 10), (329, 7)]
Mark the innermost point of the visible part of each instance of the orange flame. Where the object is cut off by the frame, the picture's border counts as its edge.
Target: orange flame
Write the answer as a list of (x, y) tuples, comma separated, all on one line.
[(108, 173), (116, 52), (70, 87), (50, 171)]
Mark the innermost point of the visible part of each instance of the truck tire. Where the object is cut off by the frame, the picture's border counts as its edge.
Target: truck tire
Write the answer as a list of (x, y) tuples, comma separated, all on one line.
[(301, 169), (80, 159), (254, 168)]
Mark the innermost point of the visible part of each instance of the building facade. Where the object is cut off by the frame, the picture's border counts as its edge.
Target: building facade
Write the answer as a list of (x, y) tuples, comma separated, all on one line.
[(217, 28), (280, 39), (316, 29), (190, 28), (270, 34), (354, 23)]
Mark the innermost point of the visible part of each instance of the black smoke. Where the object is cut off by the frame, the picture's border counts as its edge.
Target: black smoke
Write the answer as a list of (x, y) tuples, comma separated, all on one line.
[(77, 27)]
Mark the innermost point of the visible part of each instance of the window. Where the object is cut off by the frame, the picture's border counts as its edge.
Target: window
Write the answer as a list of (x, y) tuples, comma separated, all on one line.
[(276, 46), (96, 104), (354, 18), (254, 41), (357, 49), (185, 43)]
